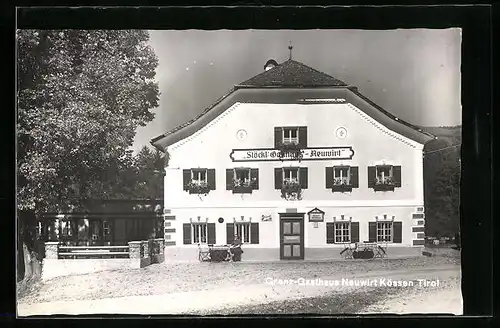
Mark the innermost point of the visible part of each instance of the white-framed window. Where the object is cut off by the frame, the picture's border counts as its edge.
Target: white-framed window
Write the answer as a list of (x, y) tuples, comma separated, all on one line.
[(341, 175), (242, 229), (199, 231), (290, 135), (342, 232), (199, 176), (291, 174), (384, 173), (384, 231), (242, 177)]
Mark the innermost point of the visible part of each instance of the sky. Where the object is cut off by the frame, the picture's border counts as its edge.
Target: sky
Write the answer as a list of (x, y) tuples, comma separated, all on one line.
[(412, 73)]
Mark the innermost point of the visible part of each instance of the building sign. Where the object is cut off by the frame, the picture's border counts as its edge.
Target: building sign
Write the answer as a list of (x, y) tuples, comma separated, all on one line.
[(316, 215), (308, 154)]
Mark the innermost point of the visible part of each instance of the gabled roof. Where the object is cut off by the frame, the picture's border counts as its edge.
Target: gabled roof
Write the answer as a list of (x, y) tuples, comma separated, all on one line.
[(292, 74), (288, 76)]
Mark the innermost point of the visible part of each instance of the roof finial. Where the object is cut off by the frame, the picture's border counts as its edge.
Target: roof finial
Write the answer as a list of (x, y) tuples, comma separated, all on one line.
[(290, 47)]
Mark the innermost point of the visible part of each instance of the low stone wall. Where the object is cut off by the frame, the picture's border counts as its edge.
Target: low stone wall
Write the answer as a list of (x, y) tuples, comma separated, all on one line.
[(139, 257)]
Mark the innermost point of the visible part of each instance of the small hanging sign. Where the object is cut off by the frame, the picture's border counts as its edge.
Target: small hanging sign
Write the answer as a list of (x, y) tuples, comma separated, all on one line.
[(316, 215)]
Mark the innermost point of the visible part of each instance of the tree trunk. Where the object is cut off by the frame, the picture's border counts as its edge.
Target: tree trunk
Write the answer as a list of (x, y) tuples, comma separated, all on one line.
[(28, 270)]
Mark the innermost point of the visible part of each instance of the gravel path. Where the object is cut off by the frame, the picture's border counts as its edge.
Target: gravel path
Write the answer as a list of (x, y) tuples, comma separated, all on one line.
[(248, 292), (161, 279)]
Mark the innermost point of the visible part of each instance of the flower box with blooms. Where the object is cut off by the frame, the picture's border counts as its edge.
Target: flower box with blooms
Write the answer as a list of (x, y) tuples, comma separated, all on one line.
[(291, 190), (384, 184), (290, 149), (341, 185), (242, 186), (195, 187)]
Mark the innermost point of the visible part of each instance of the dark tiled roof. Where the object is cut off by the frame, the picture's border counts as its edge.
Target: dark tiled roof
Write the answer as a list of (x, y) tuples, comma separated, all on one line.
[(292, 74)]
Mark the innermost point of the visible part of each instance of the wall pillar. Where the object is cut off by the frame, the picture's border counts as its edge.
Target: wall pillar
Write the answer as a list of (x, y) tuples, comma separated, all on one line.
[(52, 250)]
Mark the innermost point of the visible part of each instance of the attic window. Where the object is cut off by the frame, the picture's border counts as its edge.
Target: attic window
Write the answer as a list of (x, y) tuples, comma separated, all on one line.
[(271, 63)]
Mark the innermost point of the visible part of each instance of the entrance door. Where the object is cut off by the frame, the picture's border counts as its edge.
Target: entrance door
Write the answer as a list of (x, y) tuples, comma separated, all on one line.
[(292, 238)]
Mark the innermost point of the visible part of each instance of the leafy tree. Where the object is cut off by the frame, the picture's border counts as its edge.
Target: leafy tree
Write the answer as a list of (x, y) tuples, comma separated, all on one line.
[(81, 96), (442, 186)]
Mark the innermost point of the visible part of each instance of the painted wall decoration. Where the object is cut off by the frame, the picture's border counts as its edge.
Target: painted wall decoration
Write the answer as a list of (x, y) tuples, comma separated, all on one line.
[(267, 218)]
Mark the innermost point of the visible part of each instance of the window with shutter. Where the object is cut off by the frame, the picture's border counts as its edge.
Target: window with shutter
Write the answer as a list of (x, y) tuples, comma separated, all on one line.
[(254, 233), (385, 231), (199, 181), (385, 177), (186, 229), (329, 177), (342, 232), (211, 178), (229, 233), (303, 177), (303, 136), (330, 236), (229, 179), (278, 178), (242, 181), (354, 178), (354, 232), (341, 179), (290, 136), (211, 233), (254, 174), (278, 137)]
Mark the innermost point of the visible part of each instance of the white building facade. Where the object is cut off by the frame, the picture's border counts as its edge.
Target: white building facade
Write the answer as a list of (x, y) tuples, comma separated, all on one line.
[(298, 164)]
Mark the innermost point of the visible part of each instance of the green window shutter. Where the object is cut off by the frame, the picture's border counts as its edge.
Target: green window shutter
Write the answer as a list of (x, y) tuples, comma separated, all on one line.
[(372, 231), (211, 178), (354, 232), (303, 177), (398, 232), (278, 136), (371, 176), (354, 176), (396, 172), (229, 179), (186, 229), (186, 178), (303, 136), (278, 178), (254, 233), (211, 233), (329, 177), (254, 173), (229, 233)]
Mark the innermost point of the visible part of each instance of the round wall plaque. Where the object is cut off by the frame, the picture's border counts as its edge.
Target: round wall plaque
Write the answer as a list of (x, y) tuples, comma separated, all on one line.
[(241, 134), (341, 133), (221, 220)]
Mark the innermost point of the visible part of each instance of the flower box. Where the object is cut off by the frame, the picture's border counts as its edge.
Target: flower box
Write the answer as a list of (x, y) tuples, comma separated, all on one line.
[(290, 150), (291, 190), (242, 187), (341, 185), (386, 184), (198, 188), (342, 188)]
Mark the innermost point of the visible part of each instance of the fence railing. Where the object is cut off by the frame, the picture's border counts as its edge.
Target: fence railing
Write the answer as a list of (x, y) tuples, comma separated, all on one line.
[(103, 252)]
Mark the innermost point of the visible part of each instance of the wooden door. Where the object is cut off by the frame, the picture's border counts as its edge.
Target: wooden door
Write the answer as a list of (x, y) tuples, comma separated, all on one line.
[(292, 239)]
